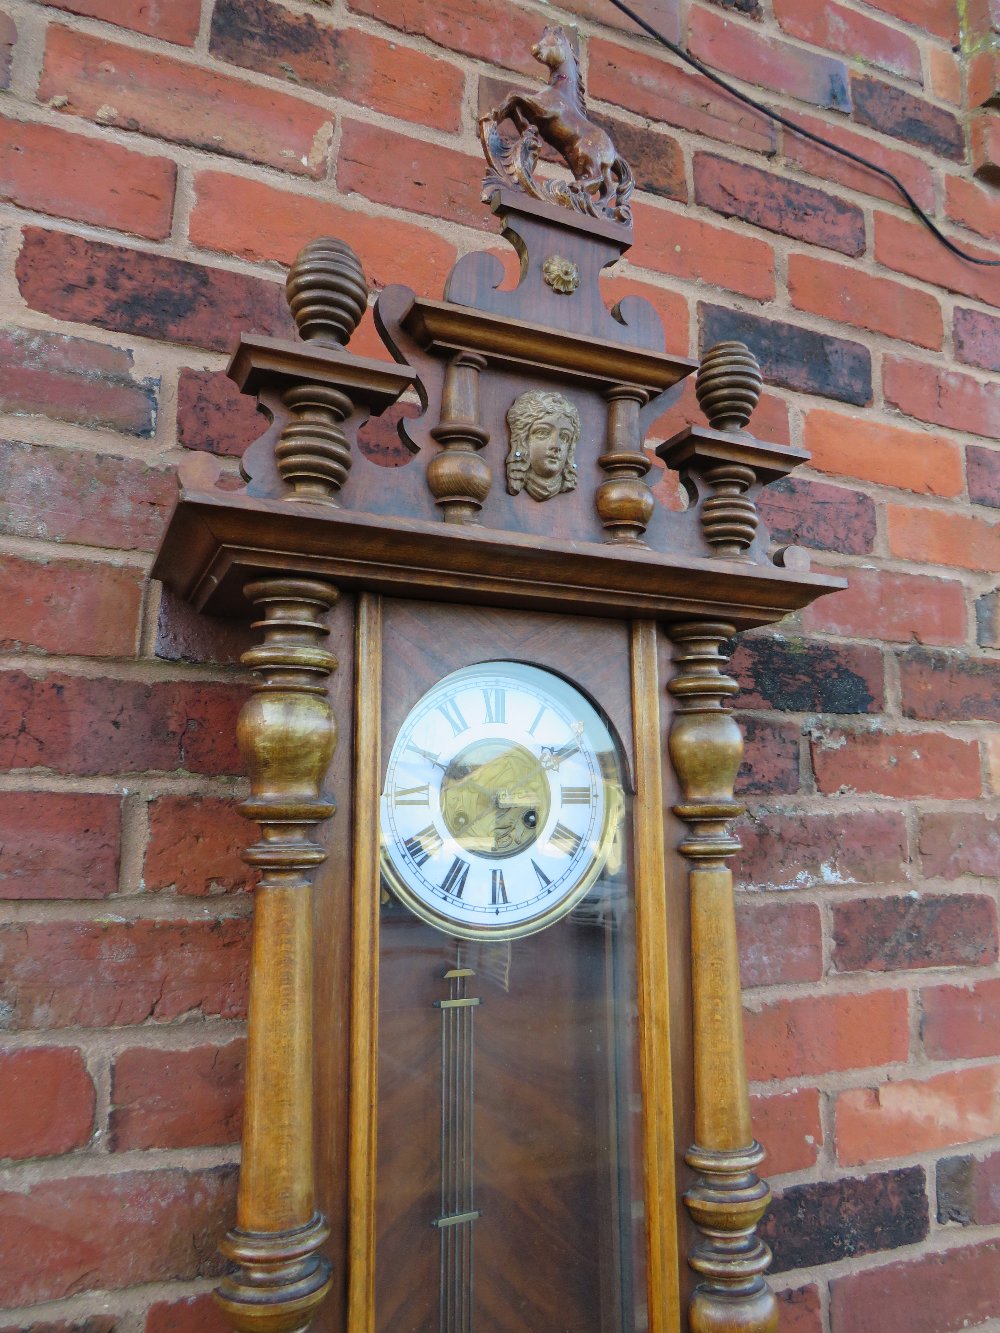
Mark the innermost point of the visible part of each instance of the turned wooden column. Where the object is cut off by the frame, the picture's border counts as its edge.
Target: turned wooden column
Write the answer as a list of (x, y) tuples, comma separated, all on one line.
[(727, 1200), (624, 502), (458, 477), (287, 735)]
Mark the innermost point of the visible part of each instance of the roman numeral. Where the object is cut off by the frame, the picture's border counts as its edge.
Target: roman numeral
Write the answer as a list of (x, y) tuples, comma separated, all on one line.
[(454, 881), (565, 839), (452, 714), (423, 845), (498, 889), (576, 795), (538, 717), (496, 705), (417, 795), (543, 879)]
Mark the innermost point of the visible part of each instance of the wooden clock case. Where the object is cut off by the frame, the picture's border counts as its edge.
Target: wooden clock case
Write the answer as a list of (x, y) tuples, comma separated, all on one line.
[(408, 572)]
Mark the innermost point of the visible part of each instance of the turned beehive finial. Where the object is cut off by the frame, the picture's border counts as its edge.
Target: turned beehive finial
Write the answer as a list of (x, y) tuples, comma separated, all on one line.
[(728, 385), (326, 292)]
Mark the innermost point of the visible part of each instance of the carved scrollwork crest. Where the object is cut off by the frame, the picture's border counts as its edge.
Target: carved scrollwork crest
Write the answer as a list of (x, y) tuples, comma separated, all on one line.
[(602, 181)]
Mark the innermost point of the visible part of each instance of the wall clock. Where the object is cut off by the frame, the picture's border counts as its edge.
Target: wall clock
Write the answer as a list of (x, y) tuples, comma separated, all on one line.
[(495, 1075)]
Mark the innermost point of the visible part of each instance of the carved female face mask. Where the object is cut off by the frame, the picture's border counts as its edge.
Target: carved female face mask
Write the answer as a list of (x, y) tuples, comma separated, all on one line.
[(544, 429)]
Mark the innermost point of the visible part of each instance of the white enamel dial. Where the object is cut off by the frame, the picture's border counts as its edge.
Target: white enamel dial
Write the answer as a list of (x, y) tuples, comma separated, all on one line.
[(501, 801)]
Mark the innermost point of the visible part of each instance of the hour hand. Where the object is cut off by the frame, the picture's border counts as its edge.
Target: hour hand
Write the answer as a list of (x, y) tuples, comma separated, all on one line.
[(426, 754)]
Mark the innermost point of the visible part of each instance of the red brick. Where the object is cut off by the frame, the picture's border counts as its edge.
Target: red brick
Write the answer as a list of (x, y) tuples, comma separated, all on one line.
[(770, 759), (171, 20), (779, 205), (149, 93), (943, 397), (664, 14), (939, 17), (646, 84), (988, 619), (107, 1232), (907, 247), (186, 635), (903, 115), (196, 1314), (798, 850), (48, 1102), (836, 28), (213, 415), (65, 495), (84, 724), (938, 537), (800, 676), (800, 1310), (177, 1099), (824, 1220), (851, 296), (111, 972), (267, 38), (917, 1115), (824, 1033), (916, 460), (779, 943), (895, 608), (195, 846), (947, 687), (901, 764), (982, 17), (974, 206), (496, 31), (982, 79), (961, 1022), (69, 606), (794, 357), (687, 247), (152, 295), (411, 173), (256, 221), (968, 1190), (813, 514), (818, 161), (73, 379), (737, 48), (44, 168), (945, 71), (953, 845), (939, 1292), (913, 931), (789, 1127), (977, 338), (984, 146), (58, 845)]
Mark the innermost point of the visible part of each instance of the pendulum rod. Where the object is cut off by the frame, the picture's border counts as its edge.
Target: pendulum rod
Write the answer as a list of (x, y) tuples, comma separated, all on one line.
[(458, 1208)]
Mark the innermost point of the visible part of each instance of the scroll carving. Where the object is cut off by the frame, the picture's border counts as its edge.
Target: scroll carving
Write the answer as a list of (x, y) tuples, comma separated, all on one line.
[(544, 433), (727, 1199), (602, 180), (287, 736)]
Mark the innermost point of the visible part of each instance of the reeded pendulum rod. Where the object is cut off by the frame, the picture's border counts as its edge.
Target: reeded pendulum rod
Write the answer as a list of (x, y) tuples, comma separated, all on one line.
[(727, 1200), (458, 1206), (287, 736)]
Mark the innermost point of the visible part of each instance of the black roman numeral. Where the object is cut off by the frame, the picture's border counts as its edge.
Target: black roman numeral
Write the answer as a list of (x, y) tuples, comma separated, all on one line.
[(498, 890), (454, 881), (416, 795), (576, 795), (452, 714), (496, 705), (543, 879), (423, 845), (565, 839)]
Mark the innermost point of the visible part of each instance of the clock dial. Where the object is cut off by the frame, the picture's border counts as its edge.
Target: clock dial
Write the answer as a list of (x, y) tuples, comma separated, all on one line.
[(502, 800)]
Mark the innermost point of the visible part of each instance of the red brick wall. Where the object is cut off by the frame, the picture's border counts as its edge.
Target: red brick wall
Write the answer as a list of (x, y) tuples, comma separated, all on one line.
[(160, 160)]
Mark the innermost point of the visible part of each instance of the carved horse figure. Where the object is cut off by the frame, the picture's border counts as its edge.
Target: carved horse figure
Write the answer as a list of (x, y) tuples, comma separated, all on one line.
[(557, 114)]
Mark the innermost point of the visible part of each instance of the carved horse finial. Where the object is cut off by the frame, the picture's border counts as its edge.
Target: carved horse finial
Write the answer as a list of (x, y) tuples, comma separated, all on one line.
[(602, 180)]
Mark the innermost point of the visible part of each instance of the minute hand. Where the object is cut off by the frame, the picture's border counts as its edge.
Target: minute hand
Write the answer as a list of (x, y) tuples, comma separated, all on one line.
[(551, 759)]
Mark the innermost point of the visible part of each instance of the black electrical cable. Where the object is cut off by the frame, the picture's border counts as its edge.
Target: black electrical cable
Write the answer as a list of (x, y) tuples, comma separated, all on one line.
[(767, 111)]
